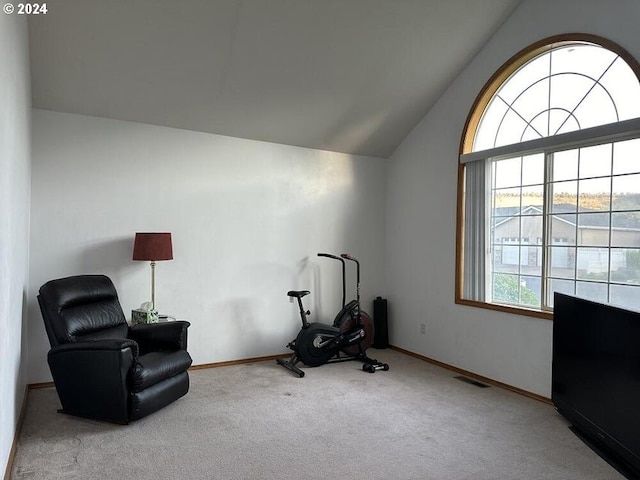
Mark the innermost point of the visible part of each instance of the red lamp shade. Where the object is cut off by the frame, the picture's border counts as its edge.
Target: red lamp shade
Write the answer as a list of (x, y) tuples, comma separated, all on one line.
[(152, 247)]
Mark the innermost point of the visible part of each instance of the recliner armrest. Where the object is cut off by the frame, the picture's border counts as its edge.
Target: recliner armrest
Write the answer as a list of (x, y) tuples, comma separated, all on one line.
[(160, 336), (91, 377), (115, 344)]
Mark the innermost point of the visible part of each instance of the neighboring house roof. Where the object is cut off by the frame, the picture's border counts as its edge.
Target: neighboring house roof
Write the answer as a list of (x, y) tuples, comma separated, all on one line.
[(588, 218)]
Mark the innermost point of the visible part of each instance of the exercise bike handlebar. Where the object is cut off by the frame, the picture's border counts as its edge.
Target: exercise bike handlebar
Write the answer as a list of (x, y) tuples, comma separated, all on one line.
[(349, 257), (344, 288), (353, 259), (328, 255)]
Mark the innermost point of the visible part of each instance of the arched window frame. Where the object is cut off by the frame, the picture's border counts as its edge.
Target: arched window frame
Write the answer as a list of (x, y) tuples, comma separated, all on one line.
[(623, 129)]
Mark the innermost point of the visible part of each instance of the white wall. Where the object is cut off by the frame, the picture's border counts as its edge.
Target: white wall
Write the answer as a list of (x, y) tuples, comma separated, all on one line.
[(422, 210), (247, 219), (15, 111)]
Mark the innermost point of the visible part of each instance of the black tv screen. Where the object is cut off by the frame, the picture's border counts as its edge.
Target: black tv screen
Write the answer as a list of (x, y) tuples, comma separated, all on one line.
[(596, 376)]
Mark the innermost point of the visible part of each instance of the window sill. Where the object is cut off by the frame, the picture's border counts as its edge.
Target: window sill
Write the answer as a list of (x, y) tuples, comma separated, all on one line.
[(527, 312)]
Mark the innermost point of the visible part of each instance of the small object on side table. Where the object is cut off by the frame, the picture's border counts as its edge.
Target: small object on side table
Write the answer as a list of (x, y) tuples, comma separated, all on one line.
[(139, 316)]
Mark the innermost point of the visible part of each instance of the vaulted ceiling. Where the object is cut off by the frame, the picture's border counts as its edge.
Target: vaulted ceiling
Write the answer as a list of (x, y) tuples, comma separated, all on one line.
[(351, 76)]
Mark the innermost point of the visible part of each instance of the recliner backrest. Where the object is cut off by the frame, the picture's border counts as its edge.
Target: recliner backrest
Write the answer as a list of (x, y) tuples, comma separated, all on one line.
[(81, 307)]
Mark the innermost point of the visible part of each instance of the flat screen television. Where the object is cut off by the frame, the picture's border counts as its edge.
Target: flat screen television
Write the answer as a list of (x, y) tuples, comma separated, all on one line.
[(596, 377)]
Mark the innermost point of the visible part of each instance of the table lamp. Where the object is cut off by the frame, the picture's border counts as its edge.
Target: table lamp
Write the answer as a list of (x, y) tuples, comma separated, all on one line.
[(153, 247)]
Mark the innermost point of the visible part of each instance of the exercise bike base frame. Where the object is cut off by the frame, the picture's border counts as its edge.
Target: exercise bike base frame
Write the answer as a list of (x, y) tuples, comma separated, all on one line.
[(338, 357), (291, 363)]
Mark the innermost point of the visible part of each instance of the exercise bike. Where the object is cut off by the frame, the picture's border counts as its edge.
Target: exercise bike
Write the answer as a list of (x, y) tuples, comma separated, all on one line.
[(318, 343)]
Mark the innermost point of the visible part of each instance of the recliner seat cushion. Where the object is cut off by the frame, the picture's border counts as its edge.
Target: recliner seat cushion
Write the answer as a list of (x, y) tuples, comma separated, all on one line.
[(157, 366)]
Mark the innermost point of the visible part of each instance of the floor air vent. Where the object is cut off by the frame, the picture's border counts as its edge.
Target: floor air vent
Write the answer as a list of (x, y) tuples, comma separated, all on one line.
[(471, 382)]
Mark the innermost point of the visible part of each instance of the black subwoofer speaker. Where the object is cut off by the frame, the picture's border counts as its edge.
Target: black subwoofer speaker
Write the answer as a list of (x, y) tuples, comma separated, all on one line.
[(381, 335)]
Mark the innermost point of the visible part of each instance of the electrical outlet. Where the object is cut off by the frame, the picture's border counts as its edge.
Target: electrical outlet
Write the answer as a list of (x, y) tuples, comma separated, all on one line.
[(423, 329)]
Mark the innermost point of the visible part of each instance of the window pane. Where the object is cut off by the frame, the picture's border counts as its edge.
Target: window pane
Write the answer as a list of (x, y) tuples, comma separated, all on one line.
[(598, 292), (567, 90), (625, 192), (496, 222), (625, 229), (595, 193), (511, 255), (505, 288), (625, 265), (531, 260), (597, 109), (515, 289), (506, 256), (527, 105), (592, 264), (507, 231), (618, 264), (535, 128), (562, 261), (592, 60), (562, 229), (595, 161), (626, 156), (533, 169), (565, 197), (528, 74), (508, 199), (565, 165), (563, 124), (593, 229), (532, 197), (486, 134), (622, 84), (530, 291), (507, 173), (562, 286), (531, 229), (511, 129), (625, 296)]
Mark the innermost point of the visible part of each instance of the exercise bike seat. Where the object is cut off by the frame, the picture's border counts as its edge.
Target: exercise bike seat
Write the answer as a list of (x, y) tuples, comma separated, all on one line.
[(298, 293)]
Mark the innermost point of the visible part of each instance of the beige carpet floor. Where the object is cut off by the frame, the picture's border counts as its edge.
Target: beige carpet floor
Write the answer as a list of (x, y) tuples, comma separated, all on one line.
[(259, 421)]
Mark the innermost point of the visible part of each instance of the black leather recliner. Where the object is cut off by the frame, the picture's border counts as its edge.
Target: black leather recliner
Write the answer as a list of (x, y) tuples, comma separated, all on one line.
[(101, 367)]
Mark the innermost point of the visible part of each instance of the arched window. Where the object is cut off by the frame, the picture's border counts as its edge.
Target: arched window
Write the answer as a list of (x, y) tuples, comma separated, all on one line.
[(549, 190)]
